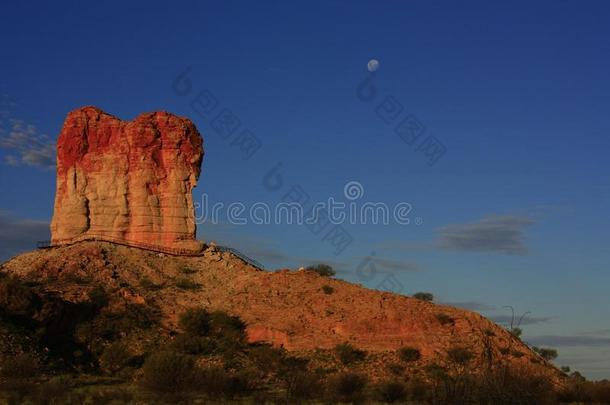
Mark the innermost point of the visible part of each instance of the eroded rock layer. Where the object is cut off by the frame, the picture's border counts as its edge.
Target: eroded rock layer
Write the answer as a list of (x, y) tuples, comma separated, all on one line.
[(131, 180)]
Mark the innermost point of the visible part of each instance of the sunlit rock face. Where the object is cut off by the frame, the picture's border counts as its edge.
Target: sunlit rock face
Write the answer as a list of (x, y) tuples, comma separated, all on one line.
[(127, 180)]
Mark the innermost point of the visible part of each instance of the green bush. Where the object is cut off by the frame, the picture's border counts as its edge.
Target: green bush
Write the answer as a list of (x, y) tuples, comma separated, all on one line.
[(327, 289), (348, 354), (409, 354), (168, 372), (391, 391), (322, 269), (347, 387), (424, 296)]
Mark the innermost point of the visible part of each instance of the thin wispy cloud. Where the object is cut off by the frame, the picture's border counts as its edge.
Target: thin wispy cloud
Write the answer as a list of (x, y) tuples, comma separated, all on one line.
[(496, 234), (526, 320), (569, 340), (392, 265), (471, 305), (19, 235), (492, 234)]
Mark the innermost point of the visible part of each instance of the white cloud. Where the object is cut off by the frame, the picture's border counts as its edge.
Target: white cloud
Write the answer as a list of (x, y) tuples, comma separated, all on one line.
[(26, 145)]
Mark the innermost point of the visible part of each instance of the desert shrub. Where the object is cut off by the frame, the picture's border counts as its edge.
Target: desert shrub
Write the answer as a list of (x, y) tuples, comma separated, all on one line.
[(217, 382), (489, 332), (187, 270), (396, 369), (303, 384), (565, 369), (347, 387), (424, 296), (148, 284), (168, 372), (516, 332), (266, 358), (186, 284), (435, 371), (600, 391), (19, 366), (504, 350), (225, 326), (508, 386), (327, 289), (195, 321), (15, 297), (322, 269), (98, 297), (545, 352), (110, 396), (444, 319), (115, 357), (409, 354), (226, 334), (52, 391), (391, 391), (459, 355), (517, 353), (348, 354), (111, 325), (192, 344), (417, 389)]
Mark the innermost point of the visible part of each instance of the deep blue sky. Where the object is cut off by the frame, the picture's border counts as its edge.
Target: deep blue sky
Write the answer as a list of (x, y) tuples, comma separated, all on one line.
[(514, 213)]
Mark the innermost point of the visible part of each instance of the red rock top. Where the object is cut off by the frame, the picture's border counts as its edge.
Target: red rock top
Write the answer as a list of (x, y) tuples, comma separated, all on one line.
[(89, 130)]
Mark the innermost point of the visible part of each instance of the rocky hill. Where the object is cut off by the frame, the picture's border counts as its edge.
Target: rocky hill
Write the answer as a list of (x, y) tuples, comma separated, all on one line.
[(300, 311)]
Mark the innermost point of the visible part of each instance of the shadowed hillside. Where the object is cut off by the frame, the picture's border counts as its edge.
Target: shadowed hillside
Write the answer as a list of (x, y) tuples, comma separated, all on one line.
[(97, 307)]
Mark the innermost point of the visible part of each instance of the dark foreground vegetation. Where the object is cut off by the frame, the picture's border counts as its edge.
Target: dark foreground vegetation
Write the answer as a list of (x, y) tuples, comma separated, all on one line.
[(100, 351)]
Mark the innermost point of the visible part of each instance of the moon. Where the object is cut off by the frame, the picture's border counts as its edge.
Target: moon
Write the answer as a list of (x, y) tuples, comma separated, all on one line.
[(373, 65)]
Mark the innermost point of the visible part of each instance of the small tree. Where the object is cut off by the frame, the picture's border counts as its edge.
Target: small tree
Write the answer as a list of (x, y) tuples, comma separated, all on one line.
[(322, 269), (424, 296), (546, 353), (517, 332)]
